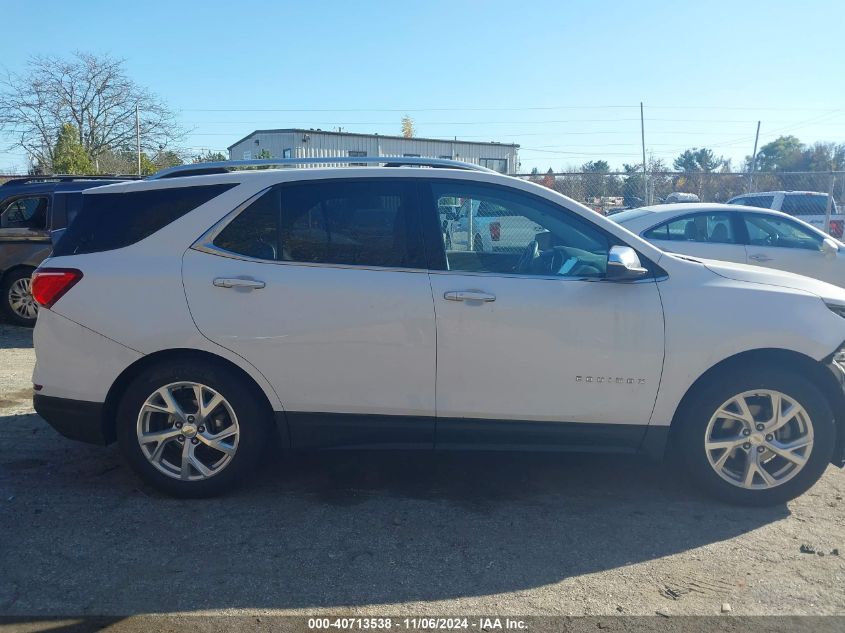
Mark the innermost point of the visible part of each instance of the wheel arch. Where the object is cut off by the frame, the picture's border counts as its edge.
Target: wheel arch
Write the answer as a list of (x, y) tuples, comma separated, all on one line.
[(15, 268), (800, 363), (119, 386)]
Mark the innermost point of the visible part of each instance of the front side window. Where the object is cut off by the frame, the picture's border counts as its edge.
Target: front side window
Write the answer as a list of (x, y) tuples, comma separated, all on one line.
[(713, 228), (25, 213), (357, 222), (771, 230), (507, 232)]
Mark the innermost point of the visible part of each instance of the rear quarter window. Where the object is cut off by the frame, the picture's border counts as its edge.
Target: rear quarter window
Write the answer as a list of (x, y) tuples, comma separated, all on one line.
[(108, 221)]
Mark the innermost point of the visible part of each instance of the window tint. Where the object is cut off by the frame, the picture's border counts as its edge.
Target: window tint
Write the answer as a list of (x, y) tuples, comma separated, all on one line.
[(803, 204), (363, 223), (763, 202), (770, 230), (359, 222), (713, 228), (507, 232), (25, 213), (114, 220), (255, 231)]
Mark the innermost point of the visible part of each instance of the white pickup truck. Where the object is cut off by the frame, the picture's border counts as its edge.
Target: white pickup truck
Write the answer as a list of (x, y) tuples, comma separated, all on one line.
[(810, 206)]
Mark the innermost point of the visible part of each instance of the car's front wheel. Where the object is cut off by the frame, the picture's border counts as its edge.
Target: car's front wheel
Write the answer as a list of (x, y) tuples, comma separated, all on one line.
[(191, 430), (18, 305), (756, 436)]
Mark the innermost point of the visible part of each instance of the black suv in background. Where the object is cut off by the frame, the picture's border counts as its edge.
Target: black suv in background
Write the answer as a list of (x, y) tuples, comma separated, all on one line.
[(30, 209)]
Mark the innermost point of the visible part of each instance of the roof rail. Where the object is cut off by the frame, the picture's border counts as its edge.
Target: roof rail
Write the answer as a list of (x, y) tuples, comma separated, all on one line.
[(224, 166), (64, 178)]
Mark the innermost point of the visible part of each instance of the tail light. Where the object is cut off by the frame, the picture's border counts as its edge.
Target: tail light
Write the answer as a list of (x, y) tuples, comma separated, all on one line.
[(836, 228), (495, 231), (50, 284)]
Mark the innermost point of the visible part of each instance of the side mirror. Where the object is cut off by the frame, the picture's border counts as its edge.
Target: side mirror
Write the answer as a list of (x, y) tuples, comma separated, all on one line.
[(623, 264), (829, 247)]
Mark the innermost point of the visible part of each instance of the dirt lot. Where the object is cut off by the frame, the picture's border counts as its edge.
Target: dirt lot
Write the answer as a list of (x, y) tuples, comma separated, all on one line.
[(395, 534)]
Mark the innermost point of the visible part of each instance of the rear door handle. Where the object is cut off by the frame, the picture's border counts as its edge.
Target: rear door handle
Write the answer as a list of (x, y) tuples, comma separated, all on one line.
[(225, 282), (469, 295), (760, 258)]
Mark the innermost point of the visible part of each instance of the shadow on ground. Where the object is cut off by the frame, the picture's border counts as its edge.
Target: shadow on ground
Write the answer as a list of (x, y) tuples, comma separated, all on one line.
[(330, 530)]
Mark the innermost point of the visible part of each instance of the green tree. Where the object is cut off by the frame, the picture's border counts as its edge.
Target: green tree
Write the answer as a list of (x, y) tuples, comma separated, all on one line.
[(264, 154), (209, 157), (785, 153), (69, 157)]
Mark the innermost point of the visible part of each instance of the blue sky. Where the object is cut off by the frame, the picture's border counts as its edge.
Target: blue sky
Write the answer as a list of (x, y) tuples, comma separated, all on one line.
[(562, 79)]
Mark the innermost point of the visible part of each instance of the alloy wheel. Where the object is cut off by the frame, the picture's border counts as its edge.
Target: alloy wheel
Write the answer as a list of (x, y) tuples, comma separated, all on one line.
[(188, 431), (759, 439), (21, 300)]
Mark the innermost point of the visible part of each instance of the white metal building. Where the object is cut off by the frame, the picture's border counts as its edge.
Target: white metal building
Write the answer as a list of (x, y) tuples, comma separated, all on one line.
[(301, 143)]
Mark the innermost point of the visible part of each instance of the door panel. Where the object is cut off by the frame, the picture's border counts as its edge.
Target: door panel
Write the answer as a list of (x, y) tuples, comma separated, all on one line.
[(532, 337), (330, 340), (321, 285), (725, 252), (548, 350), (778, 242)]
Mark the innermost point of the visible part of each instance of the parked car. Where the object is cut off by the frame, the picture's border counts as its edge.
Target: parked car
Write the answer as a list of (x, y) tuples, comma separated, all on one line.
[(740, 234), (809, 206), (680, 196), (214, 311), (30, 209)]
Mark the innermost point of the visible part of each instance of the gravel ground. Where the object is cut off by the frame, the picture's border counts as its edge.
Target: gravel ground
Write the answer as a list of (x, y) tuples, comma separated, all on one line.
[(362, 533)]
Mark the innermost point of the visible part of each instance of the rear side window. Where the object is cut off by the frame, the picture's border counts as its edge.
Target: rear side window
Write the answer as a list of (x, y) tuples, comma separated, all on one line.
[(108, 221), (359, 222), (802, 204), (715, 228)]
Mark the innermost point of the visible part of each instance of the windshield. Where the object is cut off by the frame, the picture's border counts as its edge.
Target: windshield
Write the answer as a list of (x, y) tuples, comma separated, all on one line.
[(630, 214)]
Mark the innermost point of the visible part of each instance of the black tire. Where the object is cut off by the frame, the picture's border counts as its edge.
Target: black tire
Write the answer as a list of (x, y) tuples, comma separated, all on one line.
[(5, 304), (255, 427), (707, 398)]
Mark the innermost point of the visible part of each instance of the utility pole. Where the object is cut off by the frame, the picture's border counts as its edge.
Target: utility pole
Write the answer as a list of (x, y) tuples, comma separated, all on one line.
[(642, 134), (138, 137), (754, 160)]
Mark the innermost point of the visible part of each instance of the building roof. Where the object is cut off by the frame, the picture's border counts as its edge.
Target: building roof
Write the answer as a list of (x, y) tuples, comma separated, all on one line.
[(297, 130)]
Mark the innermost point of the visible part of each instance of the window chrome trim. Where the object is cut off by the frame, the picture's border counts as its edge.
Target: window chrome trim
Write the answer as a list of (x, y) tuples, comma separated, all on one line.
[(205, 244)]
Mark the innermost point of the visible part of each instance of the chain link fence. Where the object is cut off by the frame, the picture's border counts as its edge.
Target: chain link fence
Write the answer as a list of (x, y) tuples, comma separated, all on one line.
[(610, 191)]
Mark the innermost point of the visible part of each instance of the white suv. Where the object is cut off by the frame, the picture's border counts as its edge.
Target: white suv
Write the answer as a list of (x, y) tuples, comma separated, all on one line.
[(214, 311)]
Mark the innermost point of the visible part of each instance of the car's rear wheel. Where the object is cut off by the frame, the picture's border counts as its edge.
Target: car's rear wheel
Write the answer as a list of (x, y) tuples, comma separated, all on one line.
[(18, 305), (758, 436), (191, 430)]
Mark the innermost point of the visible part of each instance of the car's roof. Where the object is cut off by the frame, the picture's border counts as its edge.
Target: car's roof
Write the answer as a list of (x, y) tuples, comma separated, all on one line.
[(47, 185), (655, 214), (772, 193)]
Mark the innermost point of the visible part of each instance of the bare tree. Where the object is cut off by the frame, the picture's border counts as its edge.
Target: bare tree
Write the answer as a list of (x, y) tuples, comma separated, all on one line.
[(94, 94)]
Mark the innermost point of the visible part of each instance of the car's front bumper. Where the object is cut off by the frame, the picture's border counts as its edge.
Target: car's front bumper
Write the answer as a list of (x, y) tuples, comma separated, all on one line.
[(75, 419)]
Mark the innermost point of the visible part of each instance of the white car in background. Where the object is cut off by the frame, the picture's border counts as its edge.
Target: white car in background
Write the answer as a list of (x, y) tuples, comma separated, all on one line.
[(744, 235), (809, 206), (323, 306)]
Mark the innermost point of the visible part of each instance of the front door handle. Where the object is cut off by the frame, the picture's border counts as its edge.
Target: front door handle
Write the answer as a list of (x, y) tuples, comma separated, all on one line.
[(227, 282), (469, 295), (760, 258)]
